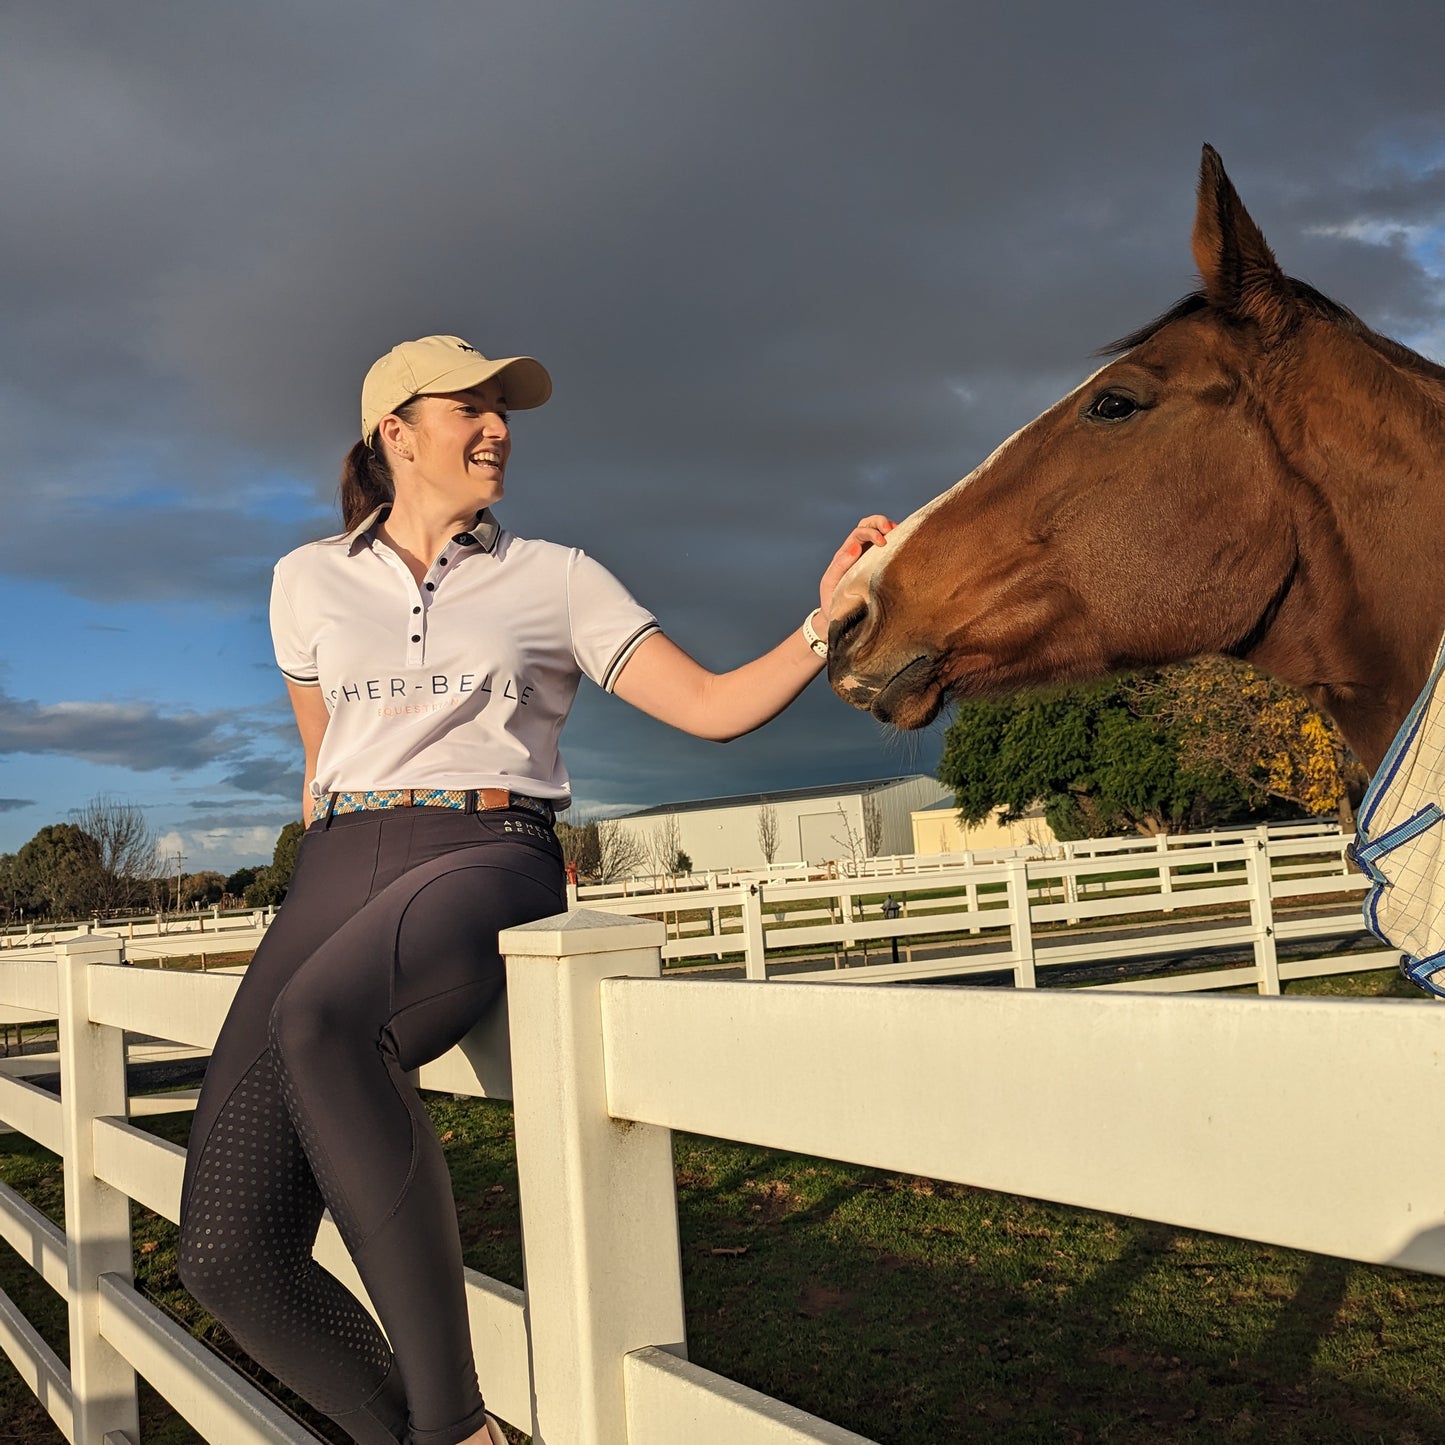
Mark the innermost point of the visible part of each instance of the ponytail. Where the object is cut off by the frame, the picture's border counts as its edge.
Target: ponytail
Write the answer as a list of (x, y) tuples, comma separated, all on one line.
[(366, 482)]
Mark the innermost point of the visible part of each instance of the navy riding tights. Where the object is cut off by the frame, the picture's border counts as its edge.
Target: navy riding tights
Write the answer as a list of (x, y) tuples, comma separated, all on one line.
[(383, 956)]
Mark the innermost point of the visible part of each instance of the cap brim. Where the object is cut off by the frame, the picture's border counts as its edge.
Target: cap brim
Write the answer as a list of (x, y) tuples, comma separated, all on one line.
[(524, 378)]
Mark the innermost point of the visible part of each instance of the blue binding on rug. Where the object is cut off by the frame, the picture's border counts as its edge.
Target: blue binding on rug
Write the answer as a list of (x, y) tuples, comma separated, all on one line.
[(1398, 845)]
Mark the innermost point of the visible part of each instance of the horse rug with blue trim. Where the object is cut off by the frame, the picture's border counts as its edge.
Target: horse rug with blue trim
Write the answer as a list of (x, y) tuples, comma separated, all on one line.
[(1400, 840)]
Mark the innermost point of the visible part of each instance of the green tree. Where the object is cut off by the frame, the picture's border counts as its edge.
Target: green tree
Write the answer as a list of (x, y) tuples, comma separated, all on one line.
[(58, 870), (283, 860), (268, 885), (261, 891), (240, 881), (204, 888), (1096, 763)]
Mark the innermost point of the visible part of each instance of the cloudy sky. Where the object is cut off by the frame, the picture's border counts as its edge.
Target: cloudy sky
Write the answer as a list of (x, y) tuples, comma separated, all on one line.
[(788, 262)]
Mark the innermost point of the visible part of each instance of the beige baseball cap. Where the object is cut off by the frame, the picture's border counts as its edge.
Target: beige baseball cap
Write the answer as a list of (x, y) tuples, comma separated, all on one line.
[(435, 364)]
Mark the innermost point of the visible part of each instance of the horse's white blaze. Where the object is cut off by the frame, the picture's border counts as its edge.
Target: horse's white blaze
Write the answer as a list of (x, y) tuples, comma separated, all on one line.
[(858, 581)]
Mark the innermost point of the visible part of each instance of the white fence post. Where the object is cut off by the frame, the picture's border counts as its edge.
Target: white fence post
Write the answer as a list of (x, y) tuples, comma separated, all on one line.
[(97, 1217), (599, 1206), (970, 895), (1166, 879), (1021, 923), (755, 956), (1071, 880), (1261, 912)]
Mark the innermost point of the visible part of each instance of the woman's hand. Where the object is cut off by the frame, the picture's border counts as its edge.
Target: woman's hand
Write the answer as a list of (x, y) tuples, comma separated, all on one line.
[(870, 532)]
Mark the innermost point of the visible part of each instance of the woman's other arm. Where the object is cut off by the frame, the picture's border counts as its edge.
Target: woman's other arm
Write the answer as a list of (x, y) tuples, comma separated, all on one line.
[(664, 682), (311, 719)]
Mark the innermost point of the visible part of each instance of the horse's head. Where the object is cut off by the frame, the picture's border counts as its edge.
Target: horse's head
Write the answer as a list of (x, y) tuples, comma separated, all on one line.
[(1142, 519)]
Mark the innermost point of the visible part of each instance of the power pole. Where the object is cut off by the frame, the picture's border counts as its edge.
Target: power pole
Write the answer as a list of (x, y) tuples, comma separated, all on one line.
[(180, 858)]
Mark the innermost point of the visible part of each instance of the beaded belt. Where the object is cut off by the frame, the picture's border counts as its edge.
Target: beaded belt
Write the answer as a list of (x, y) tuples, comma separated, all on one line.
[(460, 800)]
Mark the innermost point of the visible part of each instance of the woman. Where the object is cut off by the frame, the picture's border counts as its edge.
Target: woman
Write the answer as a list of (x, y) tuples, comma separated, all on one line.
[(431, 658)]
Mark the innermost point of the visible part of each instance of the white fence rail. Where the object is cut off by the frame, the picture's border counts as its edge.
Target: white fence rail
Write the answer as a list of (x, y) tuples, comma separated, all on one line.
[(1223, 1114), (1118, 899)]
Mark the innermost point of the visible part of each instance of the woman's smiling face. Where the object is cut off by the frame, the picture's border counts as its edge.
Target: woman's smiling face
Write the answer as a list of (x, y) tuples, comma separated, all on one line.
[(460, 442)]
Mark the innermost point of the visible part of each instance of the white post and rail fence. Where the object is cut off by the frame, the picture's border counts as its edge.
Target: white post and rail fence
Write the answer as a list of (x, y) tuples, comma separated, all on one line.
[(1106, 901), (1228, 1114)]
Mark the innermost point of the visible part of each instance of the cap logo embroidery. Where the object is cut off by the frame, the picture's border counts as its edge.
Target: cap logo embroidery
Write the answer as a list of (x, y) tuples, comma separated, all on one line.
[(462, 346)]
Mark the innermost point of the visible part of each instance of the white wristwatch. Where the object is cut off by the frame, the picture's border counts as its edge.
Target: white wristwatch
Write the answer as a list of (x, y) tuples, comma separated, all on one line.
[(810, 634)]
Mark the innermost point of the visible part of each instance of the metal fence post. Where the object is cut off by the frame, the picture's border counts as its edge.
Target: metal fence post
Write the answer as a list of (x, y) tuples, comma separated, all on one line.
[(97, 1217), (755, 956), (599, 1206), (1021, 923), (1261, 912)]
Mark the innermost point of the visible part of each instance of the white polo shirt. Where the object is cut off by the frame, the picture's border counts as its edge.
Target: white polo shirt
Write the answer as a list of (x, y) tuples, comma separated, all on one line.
[(461, 682)]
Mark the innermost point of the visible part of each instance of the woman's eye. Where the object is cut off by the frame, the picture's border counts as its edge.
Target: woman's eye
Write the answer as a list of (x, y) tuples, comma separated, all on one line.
[(1113, 406)]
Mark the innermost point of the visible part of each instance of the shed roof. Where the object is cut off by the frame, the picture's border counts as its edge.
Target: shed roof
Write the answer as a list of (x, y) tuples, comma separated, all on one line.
[(777, 795)]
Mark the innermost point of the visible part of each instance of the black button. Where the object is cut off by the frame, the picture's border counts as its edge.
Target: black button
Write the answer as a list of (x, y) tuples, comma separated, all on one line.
[(431, 587), (416, 637), (441, 561), (415, 610)]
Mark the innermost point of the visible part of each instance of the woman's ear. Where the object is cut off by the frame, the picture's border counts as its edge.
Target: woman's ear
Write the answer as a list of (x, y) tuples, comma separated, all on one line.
[(396, 435)]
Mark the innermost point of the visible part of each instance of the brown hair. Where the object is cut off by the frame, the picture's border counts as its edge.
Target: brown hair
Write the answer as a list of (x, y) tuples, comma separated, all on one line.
[(366, 474)]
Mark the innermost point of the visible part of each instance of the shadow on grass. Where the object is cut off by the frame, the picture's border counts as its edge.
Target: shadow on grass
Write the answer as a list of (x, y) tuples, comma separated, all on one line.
[(909, 1310)]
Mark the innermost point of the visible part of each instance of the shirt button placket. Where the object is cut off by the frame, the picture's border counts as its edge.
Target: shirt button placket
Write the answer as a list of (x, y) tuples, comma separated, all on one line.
[(416, 624)]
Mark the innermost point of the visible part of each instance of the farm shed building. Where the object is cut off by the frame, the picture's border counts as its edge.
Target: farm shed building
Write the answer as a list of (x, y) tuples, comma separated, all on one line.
[(814, 825)]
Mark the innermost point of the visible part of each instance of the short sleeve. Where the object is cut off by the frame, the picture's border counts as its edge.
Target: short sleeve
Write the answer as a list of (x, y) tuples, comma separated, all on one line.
[(295, 652), (607, 625)]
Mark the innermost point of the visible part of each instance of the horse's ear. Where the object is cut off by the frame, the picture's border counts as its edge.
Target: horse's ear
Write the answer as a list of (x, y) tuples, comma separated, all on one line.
[(1240, 274)]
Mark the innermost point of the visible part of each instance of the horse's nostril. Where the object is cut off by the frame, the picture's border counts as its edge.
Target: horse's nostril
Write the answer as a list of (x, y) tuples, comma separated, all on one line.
[(843, 630)]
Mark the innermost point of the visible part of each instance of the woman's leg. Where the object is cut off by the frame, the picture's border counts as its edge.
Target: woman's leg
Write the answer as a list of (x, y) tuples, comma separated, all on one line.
[(394, 987), (250, 1205)]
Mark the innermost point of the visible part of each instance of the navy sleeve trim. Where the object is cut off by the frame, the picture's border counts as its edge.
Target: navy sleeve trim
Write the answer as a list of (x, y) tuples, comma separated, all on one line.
[(623, 653), (304, 681)]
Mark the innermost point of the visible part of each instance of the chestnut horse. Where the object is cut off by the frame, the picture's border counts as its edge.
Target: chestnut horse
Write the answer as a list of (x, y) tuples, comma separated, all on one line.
[(1257, 473)]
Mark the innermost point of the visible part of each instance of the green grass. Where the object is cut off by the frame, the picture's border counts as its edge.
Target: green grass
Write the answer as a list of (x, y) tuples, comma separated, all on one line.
[(913, 1310)]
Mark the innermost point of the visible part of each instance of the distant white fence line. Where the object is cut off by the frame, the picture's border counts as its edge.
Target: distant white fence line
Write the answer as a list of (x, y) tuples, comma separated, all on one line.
[(212, 928), (972, 916), (904, 863), (1224, 1114), (960, 915)]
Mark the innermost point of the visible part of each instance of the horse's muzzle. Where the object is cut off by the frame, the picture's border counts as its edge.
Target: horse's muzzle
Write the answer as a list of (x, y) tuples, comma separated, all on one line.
[(908, 698)]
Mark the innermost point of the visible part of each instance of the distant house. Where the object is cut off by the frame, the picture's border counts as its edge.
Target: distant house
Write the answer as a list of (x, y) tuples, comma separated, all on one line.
[(836, 822), (936, 829)]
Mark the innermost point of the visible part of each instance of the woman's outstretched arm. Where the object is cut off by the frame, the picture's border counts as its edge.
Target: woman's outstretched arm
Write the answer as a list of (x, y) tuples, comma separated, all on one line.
[(663, 681)]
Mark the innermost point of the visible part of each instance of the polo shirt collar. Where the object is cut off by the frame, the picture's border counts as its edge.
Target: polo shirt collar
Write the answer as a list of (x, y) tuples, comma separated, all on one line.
[(484, 531)]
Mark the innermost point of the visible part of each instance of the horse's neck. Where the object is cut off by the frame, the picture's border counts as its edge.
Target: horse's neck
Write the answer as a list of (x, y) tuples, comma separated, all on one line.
[(1361, 623)]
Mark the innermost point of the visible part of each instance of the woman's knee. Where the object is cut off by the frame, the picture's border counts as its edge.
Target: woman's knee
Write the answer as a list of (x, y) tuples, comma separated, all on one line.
[(307, 1022), (213, 1274)]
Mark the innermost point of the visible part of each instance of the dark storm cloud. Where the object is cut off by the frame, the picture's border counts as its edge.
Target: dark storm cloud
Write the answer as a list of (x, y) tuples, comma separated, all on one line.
[(129, 735), (12, 805), (228, 820), (266, 775), (787, 263)]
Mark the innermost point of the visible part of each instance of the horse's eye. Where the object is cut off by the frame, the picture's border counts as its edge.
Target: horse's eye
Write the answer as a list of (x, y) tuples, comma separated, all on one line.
[(1113, 406)]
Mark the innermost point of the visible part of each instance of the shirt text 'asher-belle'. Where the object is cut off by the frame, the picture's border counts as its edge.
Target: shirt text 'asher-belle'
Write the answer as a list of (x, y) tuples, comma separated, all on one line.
[(384, 689)]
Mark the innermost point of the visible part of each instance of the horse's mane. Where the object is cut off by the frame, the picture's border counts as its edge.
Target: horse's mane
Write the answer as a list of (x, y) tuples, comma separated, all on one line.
[(1315, 301)]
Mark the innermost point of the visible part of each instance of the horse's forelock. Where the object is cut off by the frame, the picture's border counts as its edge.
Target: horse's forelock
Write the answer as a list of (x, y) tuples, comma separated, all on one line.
[(1188, 305)]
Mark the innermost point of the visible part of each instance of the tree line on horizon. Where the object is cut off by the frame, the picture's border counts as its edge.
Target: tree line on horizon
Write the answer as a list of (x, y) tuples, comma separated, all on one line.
[(105, 863)]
